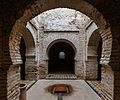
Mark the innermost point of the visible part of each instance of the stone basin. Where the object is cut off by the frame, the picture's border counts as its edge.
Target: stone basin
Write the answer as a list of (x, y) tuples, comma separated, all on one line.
[(60, 89)]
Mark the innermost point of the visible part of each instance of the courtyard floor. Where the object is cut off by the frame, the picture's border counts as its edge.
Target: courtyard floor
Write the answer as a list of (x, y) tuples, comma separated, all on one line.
[(81, 90)]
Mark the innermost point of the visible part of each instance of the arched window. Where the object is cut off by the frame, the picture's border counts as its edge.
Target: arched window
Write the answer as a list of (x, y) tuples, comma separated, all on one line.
[(61, 55)]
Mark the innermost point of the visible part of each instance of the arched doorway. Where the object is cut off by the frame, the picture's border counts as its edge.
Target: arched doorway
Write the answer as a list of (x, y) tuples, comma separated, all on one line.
[(22, 52), (61, 58)]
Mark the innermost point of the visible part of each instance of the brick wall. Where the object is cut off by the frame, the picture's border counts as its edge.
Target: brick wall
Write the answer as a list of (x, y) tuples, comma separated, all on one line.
[(9, 82), (3, 84), (105, 87), (13, 82), (117, 85)]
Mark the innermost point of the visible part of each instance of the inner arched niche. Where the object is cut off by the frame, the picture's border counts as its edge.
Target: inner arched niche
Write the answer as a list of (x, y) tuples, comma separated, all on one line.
[(94, 49), (30, 55), (61, 58)]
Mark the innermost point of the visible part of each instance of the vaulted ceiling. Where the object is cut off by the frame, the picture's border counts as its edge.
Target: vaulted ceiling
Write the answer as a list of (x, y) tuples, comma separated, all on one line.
[(61, 19), (10, 10)]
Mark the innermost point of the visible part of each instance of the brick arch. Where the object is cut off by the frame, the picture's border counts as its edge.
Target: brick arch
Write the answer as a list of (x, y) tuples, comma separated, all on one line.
[(44, 5)]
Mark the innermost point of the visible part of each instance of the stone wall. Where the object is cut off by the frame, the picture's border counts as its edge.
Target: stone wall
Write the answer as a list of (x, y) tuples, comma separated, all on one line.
[(91, 69), (31, 68), (74, 38)]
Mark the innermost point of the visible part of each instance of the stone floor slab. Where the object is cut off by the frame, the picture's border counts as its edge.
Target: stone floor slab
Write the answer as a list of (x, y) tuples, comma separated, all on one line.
[(81, 90)]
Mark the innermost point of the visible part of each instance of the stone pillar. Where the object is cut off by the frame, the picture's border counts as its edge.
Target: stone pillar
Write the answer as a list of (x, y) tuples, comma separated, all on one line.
[(31, 68), (43, 69), (91, 68), (42, 61)]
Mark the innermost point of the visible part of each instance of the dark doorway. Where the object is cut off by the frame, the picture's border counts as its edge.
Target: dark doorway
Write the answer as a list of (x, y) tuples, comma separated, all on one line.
[(99, 52), (22, 52), (61, 58)]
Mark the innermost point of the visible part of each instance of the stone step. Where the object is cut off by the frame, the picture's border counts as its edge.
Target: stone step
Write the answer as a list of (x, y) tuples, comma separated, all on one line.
[(61, 76)]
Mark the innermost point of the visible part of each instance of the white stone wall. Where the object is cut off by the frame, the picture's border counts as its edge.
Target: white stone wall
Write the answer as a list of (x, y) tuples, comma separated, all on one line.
[(73, 38)]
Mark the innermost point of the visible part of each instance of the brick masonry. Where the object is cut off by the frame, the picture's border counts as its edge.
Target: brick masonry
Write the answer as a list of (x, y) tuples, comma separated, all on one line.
[(13, 82)]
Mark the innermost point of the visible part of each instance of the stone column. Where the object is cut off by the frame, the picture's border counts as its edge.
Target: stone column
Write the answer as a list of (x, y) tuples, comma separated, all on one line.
[(42, 61), (91, 68), (31, 68)]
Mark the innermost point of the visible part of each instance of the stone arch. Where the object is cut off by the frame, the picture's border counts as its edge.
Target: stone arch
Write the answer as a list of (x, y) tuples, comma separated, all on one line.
[(55, 64), (94, 46), (40, 6), (73, 37), (29, 42), (93, 43), (30, 55), (61, 40)]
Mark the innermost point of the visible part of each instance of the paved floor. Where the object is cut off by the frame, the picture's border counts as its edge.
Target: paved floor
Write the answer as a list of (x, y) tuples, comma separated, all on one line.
[(81, 91)]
